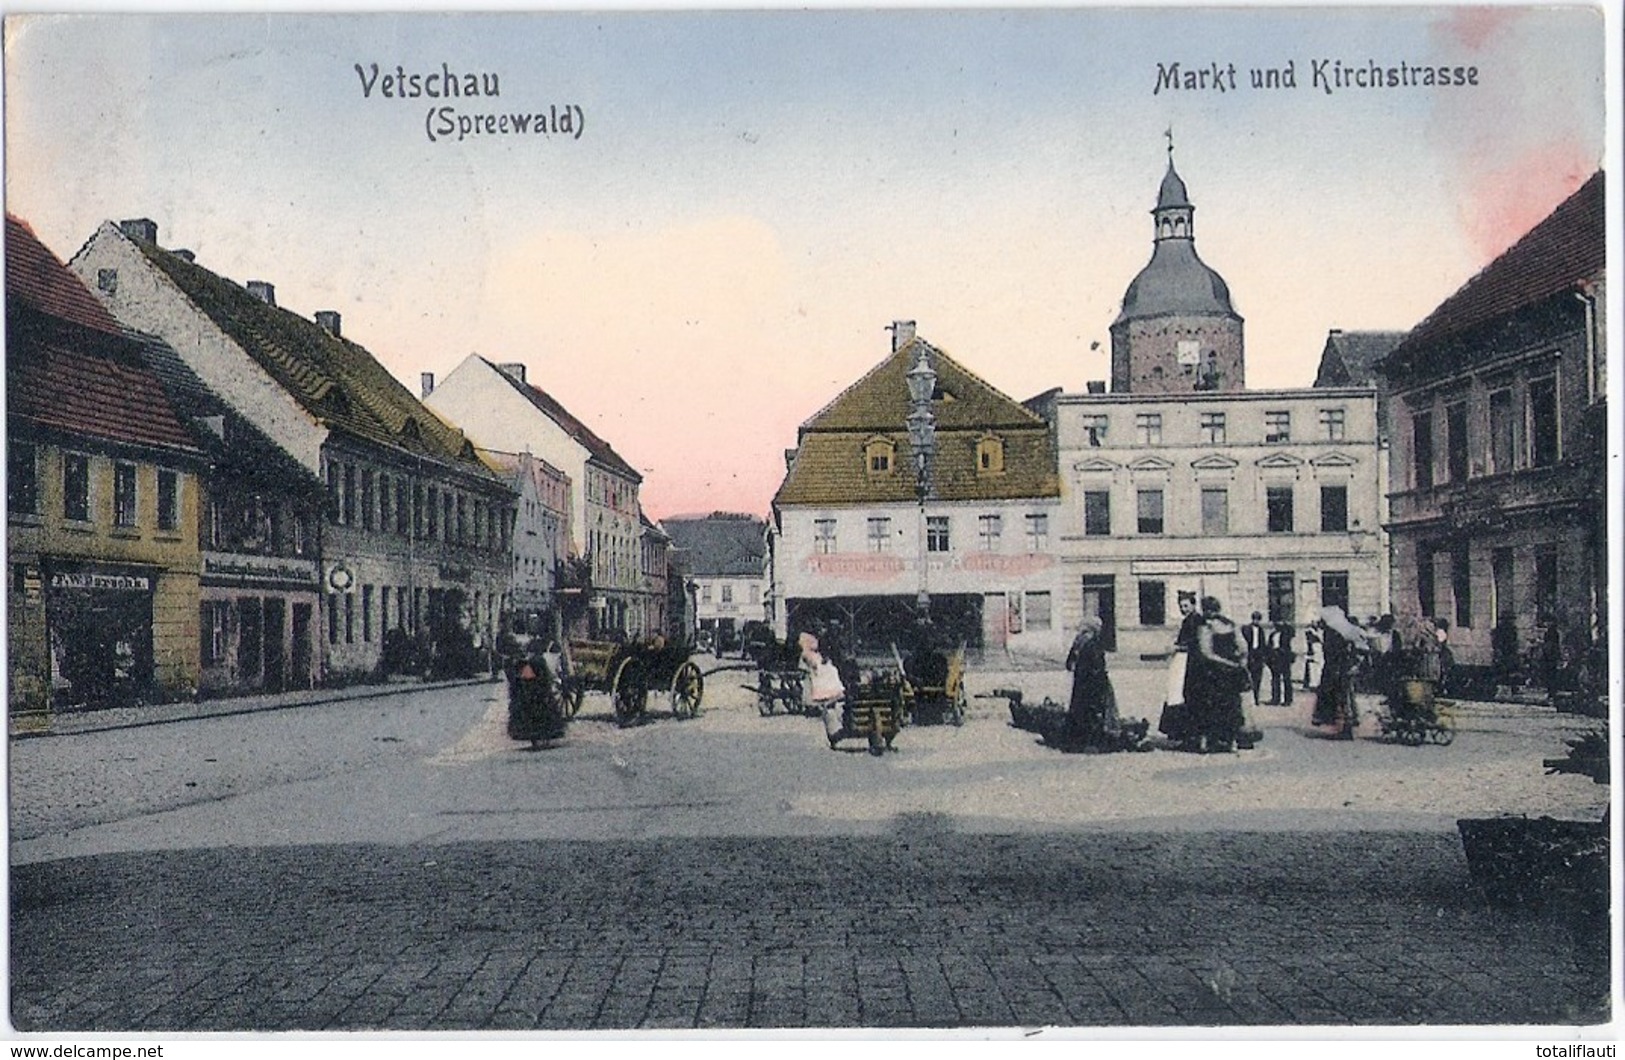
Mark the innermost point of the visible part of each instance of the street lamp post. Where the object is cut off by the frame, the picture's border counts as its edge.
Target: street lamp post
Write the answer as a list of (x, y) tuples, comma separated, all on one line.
[(922, 440)]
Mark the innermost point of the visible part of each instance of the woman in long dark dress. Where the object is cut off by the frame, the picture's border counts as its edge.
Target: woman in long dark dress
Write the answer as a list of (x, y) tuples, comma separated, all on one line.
[(1334, 702), (1220, 666), (1091, 718)]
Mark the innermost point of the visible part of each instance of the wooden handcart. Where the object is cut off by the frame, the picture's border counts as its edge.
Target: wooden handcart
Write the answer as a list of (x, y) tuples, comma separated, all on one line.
[(629, 672)]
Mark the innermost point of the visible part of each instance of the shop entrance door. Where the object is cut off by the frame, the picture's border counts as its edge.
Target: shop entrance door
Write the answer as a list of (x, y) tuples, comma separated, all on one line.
[(302, 677), (276, 676)]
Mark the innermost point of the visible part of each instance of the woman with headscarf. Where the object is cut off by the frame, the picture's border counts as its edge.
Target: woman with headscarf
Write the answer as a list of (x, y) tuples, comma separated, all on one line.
[(1334, 702), (1220, 674), (1091, 717), (1176, 721)]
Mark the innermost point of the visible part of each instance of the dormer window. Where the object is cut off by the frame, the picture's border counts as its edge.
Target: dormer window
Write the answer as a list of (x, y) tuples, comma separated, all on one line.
[(990, 455), (879, 456)]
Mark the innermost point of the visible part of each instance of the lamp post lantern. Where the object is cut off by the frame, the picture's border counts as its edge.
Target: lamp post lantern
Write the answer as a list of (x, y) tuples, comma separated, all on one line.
[(922, 440)]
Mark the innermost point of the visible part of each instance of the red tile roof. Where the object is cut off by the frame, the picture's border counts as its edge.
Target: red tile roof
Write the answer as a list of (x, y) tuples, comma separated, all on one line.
[(1569, 246), (70, 367), (39, 279)]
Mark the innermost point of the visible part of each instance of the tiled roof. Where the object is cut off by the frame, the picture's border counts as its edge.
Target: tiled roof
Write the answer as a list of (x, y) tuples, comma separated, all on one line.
[(550, 407), (829, 466), (720, 546), (1350, 357), (242, 449), (69, 366), (1569, 246), (332, 378), (38, 278)]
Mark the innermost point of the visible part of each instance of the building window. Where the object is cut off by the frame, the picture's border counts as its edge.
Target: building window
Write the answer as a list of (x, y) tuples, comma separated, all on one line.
[(462, 519), (1149, 511), (936, 533), (446, 504), (169, 499), (1502, 603), (878, 456), (1278, 426), (333, 619), (367, 478), (1212, 427), (1153, 603), (212, 623), (1278, 509), (705, 592), (432, 504), (366, 613), (1097, 513), (1334, 509), (383, 609), (1455, 441), (988, 529), (349, 618), (755, 594), (1281, 596), (989, 456), (1334, 589), (22, 479), (727, 593), (1333, 423), (107, 281), (1544, 446), (384, 518), (1425, 590), (824, 536), (76, 487), (1545, 585), (1037, 607), (1422, 450), (879, 533), (124, 495), (1461, 585), (1037, 532), (349, 495), (1094, 430), (1215, 511), (1503, 432), (1148, 428)]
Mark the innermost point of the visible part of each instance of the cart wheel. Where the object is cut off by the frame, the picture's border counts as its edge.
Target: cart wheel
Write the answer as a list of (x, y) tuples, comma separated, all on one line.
[(687, 689), (1445, 732), (627, 692), (570, 698)]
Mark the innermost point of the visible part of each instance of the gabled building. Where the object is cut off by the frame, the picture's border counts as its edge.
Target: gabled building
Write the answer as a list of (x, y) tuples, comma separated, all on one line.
[(417, 534), (855, 545), (541, 539), (655, 564), (502, 410), (101, 503), (1499, 496), (725, 555)]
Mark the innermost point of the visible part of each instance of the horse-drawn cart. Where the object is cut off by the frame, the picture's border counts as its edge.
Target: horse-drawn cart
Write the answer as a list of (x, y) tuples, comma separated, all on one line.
[(629, 672)]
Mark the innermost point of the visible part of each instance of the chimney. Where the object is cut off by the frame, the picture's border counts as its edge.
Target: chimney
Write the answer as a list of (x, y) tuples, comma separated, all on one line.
[(184, 255), (1095, 386), (513, 370), (328, 320), (265, 292), (140, 228), (902, 333), (427, 380)]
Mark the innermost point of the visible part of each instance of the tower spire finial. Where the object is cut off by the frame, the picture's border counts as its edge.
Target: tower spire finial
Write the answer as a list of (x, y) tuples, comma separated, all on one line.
[(1169, 133)]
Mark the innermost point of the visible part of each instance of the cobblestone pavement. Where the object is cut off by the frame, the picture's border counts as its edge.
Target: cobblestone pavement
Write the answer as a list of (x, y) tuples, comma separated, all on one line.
[(923, 928), (970, 880)]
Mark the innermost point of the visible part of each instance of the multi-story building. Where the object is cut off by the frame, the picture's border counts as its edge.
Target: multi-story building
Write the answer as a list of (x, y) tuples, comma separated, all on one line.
[(1181, 479), (541, 539), (1499, 495), (502, 410), (726, 559), (857, 544), (655, 566), (418, 528), (101, 503), (260, 521)]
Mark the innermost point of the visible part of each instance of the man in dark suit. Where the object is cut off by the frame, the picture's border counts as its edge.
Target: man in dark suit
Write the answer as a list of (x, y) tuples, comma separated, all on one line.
[(1255, 635)]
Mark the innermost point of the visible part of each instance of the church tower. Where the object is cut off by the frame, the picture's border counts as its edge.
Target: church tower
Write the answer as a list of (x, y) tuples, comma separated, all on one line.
[(1177, 331)]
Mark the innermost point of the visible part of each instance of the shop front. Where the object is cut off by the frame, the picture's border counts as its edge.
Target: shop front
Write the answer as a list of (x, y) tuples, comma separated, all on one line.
[(257, 623), (99, 633)]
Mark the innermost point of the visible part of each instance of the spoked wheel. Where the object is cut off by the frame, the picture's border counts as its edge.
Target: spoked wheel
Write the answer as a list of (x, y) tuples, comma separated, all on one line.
[(1444, 732), (766, 702), (687, 689), (628, 692), (570, 698)]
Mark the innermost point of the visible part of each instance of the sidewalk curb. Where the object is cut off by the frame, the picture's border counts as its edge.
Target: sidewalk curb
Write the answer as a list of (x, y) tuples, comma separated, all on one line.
[(229, 708)]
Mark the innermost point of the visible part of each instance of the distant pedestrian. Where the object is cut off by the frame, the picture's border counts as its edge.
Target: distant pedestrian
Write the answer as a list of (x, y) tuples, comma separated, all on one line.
[(1255, 635), (1279, 657), (1447, 658), (1311, 655), (1222, 678)]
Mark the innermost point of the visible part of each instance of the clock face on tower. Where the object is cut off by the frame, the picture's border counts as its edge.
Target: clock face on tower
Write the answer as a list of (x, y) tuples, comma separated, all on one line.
[(1190, 352)]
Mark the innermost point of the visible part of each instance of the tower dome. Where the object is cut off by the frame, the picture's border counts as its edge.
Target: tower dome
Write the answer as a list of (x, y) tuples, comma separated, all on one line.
[(1175, 280)]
